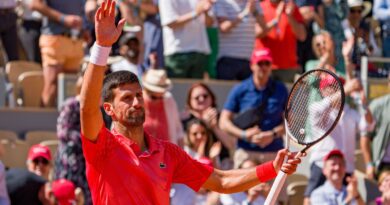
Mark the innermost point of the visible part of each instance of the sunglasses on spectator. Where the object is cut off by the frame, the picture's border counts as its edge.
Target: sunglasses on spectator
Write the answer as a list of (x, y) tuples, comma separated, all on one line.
[(264, 63), (41, 160), (204, 96), (356, 11)]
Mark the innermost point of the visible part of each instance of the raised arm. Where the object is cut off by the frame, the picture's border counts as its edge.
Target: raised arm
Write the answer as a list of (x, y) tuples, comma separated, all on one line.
[(106, 34)]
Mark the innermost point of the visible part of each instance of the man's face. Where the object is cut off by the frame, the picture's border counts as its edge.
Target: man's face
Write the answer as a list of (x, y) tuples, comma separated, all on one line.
[(262, 70), (128, 105), (334, 169), (40, 166)]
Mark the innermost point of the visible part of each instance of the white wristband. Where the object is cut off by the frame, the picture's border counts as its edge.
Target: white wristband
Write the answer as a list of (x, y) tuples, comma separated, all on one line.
[(99, 54)]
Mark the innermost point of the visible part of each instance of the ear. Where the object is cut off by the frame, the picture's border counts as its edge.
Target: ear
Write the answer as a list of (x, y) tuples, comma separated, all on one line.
[(109, 109)]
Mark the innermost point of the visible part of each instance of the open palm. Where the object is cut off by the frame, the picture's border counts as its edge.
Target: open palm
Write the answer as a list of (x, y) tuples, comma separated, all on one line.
[(107, 33)]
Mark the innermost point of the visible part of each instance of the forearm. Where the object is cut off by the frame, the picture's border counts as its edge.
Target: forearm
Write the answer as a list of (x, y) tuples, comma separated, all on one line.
[(238, 180), (226, 25), (297, 28), (229, 127), (183, 20), (365, 146), (262, 28), (45, 10), (227, 140)]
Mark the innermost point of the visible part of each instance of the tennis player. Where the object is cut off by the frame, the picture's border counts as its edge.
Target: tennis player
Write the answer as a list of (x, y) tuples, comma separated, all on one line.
[(128, 166)]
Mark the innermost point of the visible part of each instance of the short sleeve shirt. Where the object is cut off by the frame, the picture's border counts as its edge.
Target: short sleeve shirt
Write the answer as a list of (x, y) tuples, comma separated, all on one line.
[(119, 173)]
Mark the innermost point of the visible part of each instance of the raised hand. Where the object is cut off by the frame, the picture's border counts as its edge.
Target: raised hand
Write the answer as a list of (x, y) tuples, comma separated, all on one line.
[(107, 33)]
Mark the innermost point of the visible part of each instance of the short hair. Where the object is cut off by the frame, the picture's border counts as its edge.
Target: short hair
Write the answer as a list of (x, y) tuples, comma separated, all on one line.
[(114, 80)]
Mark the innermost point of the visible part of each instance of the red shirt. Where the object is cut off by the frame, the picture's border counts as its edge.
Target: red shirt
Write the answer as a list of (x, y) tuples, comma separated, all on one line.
[(118, 173), (281, 39), (156, 123)]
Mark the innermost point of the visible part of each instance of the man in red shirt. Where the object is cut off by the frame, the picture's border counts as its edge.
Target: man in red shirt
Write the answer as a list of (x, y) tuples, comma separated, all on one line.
[(128, 166)]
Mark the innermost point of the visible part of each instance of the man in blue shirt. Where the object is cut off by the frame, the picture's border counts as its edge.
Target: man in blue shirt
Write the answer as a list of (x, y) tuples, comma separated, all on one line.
[(333, 192), (261, 141)]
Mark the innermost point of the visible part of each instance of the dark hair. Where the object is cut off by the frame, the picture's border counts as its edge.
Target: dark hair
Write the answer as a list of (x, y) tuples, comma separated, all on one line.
[(209, 142), (195, 85), (115, 79)]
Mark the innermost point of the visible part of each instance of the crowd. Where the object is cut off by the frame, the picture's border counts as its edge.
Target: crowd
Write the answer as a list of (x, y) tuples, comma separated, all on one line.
[(262, 44)]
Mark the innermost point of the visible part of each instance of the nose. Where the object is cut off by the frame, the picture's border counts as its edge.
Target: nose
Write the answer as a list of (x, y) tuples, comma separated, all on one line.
[(138, 102)]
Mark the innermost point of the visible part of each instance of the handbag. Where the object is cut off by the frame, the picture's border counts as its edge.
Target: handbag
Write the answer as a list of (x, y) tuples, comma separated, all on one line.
[(253, 116)]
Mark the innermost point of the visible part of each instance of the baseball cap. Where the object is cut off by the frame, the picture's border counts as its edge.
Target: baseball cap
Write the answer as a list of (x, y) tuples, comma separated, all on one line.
[(329, 80), (335, 152), (261, 54), (64, 191), (39, 151)]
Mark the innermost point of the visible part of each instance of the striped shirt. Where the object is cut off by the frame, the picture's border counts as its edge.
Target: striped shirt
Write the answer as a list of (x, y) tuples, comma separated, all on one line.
[(239, 41)]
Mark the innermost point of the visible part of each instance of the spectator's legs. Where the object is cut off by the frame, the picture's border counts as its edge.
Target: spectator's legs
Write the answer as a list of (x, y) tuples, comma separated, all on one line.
[(233, 69), (50, 85), (186, 65), (29, 36), (199, 65), (9, 35)]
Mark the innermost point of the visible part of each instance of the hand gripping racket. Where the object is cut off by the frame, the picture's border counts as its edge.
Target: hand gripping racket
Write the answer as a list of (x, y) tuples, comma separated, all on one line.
[(314, 107)]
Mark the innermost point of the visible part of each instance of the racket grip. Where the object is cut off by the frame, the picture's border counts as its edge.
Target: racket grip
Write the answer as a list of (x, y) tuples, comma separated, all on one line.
[(276, 188)]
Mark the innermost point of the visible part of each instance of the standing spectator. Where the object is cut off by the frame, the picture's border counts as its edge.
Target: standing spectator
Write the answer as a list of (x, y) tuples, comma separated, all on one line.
[(384, 187), (237, 21), (263, 139), (4, 198), (323, 47), (185, 39), (8, 34), (129, 48), (376, 145), (333, 192), (343, 137), (61, 41), (381, 11), (146, 13), (70, 162), (162, 118), (288, 27), (30, 31)]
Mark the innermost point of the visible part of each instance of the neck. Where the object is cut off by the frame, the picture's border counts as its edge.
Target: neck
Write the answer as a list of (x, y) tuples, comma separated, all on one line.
[(260, 82), (337, 184), (354, 22), (134, 133)]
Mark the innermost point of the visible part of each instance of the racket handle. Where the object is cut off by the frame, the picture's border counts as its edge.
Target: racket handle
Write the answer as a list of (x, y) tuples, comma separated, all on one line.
[(276, 188)]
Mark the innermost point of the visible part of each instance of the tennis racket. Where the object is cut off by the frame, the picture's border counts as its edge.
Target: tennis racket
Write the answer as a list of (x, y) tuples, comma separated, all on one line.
[(314, 107)]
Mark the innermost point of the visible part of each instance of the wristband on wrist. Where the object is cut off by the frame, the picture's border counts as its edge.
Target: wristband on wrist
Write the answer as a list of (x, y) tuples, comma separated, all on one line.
[(62, 18), (265, 171), (370, 164), (99, 55)]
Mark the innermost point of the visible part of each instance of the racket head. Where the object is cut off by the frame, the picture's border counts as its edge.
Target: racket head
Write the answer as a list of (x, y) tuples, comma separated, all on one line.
[(314, 106)]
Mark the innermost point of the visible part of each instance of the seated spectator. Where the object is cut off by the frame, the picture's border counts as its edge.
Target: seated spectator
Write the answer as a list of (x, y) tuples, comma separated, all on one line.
[(161, 113), (333, 192), (384, 187), (129, 48), (288, 27), (254, 196), (201, 104), (199, 145), (28, 186), (39, 161), (64, 192)]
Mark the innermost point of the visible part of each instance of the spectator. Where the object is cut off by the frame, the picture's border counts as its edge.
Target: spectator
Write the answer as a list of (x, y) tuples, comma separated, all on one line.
[(61, 41), (161, 113), (384, 187), (70, 162), (262, 140), (333, 192), (237, 21), (64, 192), (323, 47), (30, 31), (8, 34), (202, 105), (146, 13), (129, 48), (200, 146), (288, 27), (254, 196), (28, 186), (185, 39), (4, 198), (343, 138), (381, 11), (376, 145)]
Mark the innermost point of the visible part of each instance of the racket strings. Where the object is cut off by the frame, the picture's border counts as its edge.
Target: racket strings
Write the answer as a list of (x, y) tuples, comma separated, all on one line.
[(313, 106)]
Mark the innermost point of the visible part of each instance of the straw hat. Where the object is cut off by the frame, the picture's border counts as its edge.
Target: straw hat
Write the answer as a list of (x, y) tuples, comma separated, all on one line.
[(360, 3), (156, 80)]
